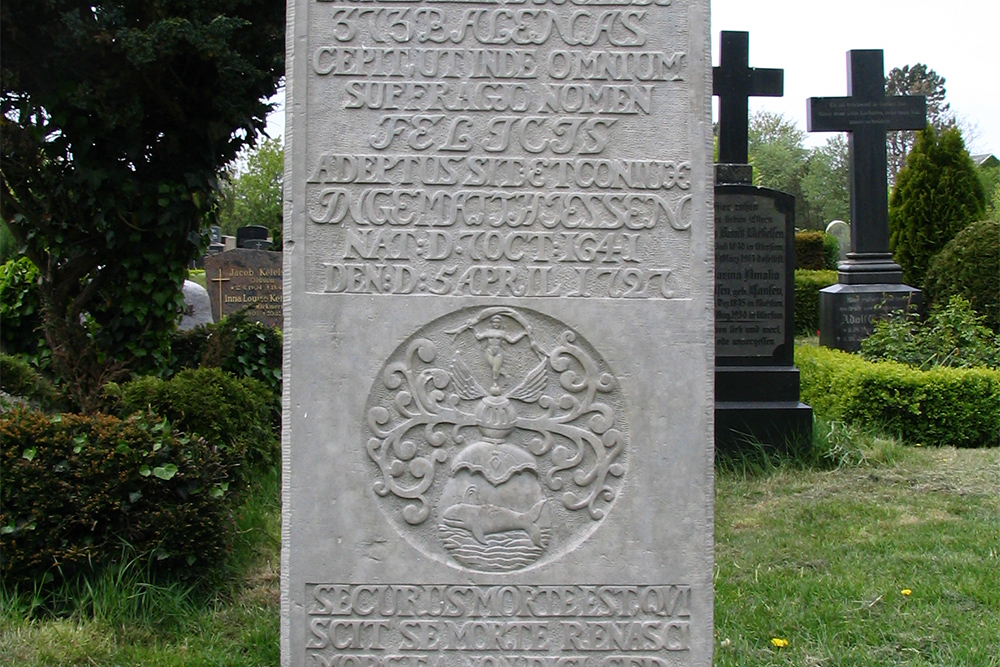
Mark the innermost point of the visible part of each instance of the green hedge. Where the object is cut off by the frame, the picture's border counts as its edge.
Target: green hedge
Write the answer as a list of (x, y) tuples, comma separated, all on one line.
[(941, 406), (234, 415), (809, 250), (236, 345), (77, 488), (807, 287), (19, 379)]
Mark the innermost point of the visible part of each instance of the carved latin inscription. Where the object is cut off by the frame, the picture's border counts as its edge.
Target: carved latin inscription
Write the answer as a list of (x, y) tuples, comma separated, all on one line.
[(497, 438), (496, 626), (470, 130)]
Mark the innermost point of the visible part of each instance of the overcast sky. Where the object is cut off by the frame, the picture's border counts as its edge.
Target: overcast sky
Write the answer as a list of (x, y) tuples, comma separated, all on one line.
[(809, 39)]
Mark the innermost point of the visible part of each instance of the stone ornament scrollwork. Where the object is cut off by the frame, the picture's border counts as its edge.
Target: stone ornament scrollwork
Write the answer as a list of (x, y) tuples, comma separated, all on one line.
[(496, 439)]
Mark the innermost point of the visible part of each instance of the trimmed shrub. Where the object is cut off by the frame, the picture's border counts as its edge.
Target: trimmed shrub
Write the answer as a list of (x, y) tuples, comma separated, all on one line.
[(969, 266), (232, 414), (236, 345), (807, 287), (809, 251), (21, 311), (76, 488), (831, 251), (944, 406), (936, 195), (953, 336), (18, 378)]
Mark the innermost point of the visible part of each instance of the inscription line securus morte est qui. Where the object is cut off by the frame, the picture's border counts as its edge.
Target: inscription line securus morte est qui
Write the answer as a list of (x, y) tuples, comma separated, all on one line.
[(488, 168), (384, 625)]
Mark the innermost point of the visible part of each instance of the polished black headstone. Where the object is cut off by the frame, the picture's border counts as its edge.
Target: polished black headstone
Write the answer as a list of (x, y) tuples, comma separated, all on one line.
[(870, 282), (734, 82), (253, 237), (867, 115), (756, 383)]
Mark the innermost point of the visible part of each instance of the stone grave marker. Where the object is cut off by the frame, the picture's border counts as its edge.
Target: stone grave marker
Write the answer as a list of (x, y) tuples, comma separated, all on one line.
[(197, 306), (253, 237), (497, 441), (756, 382), (247, 281), (841, 231), (869, 281), (734, 82)]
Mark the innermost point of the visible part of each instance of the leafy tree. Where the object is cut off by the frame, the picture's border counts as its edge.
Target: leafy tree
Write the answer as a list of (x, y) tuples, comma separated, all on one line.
[(251, 190), (779, 157), (817, 178), (826, 183), (916, 80), (993, 207), (116, 117), (776, 151), (936, 195)]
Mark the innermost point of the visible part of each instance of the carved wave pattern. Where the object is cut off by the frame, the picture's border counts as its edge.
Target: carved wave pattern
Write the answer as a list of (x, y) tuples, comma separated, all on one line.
[(500, 552)]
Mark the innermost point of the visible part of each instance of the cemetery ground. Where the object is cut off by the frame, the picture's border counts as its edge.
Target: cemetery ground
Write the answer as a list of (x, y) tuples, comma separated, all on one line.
[(873, 553)]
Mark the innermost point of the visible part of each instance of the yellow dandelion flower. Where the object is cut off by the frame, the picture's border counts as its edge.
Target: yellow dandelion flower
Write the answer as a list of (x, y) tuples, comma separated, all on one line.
[(778, 642), (907, 592)]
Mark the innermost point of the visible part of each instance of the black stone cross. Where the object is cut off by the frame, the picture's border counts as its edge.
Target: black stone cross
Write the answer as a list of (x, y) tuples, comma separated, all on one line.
[(867, 114), (734, 82)]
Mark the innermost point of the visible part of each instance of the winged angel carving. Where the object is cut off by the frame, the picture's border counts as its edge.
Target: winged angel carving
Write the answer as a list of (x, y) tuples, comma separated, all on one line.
[(495, 438)]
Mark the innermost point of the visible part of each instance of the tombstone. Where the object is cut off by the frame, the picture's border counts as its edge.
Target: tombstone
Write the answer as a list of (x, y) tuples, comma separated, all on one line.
[(215, 234), (248, 282), (497, 442), (253, 237), (869, 281), (841, 231), (197, 307), (756, 382), (734, 82), (228, 243)]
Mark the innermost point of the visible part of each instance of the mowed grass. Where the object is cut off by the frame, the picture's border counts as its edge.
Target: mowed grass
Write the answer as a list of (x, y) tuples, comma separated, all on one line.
[(817, 558), (235, 626), (820, 559)]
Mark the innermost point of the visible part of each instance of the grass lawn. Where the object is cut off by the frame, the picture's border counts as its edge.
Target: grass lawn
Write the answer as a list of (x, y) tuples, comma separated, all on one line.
[(818, 558)]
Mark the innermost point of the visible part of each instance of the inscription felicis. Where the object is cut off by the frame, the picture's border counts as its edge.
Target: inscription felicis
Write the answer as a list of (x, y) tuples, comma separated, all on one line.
[(496, 439)]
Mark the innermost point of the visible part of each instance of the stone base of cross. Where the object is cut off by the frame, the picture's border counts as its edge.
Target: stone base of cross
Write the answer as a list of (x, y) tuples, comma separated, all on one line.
[(870, 282)]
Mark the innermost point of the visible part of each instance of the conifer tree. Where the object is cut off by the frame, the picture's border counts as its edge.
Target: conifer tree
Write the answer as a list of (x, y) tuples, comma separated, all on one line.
[(936, 195)]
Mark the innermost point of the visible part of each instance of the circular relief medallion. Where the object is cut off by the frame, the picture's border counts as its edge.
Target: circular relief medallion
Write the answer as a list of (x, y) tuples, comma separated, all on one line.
[(496, 438)]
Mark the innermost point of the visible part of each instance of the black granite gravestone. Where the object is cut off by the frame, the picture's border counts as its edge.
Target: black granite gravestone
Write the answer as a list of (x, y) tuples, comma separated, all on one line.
[(756, 382), (869, 281), (253, 237), (734, 82)]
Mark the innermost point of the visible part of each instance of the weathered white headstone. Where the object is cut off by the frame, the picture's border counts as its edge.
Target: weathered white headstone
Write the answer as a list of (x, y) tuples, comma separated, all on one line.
[(499, 334), (841, 231), (197, 306)]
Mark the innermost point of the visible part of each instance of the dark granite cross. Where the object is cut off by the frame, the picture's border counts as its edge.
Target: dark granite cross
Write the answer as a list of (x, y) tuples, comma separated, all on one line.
[(734, 82), (867, 114)]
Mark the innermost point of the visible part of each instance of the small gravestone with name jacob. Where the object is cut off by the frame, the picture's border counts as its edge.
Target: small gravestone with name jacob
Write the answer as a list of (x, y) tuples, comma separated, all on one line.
[(869, 281), (756, 383), (497, 448), (248, 282)]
